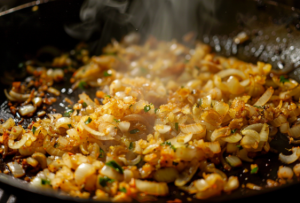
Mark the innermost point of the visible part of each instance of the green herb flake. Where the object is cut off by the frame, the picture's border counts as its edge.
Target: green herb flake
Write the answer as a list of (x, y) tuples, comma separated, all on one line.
[(283, 79), (134, 131), (200, 102), (106, 74), (239, 146), (115, 166), (68, 113), (84, 105), (45, 182), (56, 145), (260, 107), (147, 108), (174, 148), (108, 96), (117, 121), (123, 189), (130, 106), (144, 70), (70, 125), (131, 146), (168, 144), (233, 131), (82, 85), (104, 180), (102, 153), (182, 86), (197, 67), (33, 129), (254, 170), (88, 121), (176, 126), (155, 110)]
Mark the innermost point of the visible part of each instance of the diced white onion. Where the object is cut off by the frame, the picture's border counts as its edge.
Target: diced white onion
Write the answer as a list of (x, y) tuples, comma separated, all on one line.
[(167, 175), (285, 172), (83, 171), (16, 169), (63, 122), (233, 161), (152, 188), (288, 159), (111, 173), (162, 128), (195, 128)]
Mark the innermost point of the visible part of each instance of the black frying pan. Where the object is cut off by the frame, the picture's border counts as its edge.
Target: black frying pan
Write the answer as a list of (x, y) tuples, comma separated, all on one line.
[(274, 38)]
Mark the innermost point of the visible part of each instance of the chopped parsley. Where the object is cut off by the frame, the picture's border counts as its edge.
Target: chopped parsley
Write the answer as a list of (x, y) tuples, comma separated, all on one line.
[(199, 102), (254, 170), (123, 189), (68, 113), (168, 144), (155, 110), (56, 145), (102, 153), (233, 131), (134, 131), (88, 121), (283, 79), (82, 85), (116, 120), (239, 146), (144, 70), (104, 180), (131, 145), (84, 105), (45, 182), (108, 96), (115, 166), (33, 129), (176, 126), (147, 108), (106, 74), (70, 125)]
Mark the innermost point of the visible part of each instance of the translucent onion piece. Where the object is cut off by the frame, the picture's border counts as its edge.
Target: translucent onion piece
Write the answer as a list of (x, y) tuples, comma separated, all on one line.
[(150, 148), (87, 100), (188, 154), (54, 91), (27, 110), (216, 184), (111, 173), (294, 131), (221, 132), (232, 184), (15, 132), (41, 158), (132, 162), (136, 117), (251, 139), (162, 128), (253, 186), (96, 134), (288, 159), (233, 161), (195, 128), (229, 72), (124, 126), (152, 188), (186, 175), (167, 175), (7, 124), (18, 96), (48, 146), (63, 122), (16, 145), (31, 161), (264, 133), (257, 127), (278, 121), (10, 98), (82, 172), (265, 97), (16, 169), (285, 172), (284, 127), (201, 184), (243, 154), (296, 170), (234, 138)]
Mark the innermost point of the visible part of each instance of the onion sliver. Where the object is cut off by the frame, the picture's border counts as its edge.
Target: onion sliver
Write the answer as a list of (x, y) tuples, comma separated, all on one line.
[(264, 133), (294, 131), (63, 122), (16, 145), (195, 128), (288, 159), (167, 175), (87, 99), (221, 132), (48, 146), (162, 128), (15, 132), (233, 161), (124, 126), (111, 173), (186, 175), (230, 72), (152, 188), (96, 134), (251, 139), (132, 162), (16, 169), (265, 97), (234, 138), (82, 172)]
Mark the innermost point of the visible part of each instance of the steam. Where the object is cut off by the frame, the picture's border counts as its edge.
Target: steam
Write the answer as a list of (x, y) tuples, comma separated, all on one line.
[(102, 20)]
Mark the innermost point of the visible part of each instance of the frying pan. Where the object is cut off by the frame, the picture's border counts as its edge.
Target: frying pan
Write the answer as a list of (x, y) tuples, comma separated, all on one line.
[(274, 38)]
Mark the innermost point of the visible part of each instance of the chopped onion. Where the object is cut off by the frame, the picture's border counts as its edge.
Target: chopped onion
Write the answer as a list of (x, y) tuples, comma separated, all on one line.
[(288, 159), (230, 72), (124, 126), (162, 129), (264, 133), (150, 148), (265, 97), (16, 169), (41, 158), (221, 132), (31, 161), (132, 162), (54, 91), (27, 110), (63, 122), (251, 139), (233, 161), (15, 132), (18, 96), (253, 186), (85, 98), (111, 173), (296, 170), (285, 172), (188, 154), (96, 134), (186, 175), (48, 146), (82, 172), (232, 184), (278, 121), (257, 127), (167, 175), (294, 131), (136, 117), (195, 128), (201, 184), (243, 154), (234, 138), (16, 145), (152, 188)]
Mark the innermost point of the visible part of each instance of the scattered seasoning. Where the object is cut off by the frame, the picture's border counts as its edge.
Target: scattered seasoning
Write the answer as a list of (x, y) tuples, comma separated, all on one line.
[(283, 79), (115, 166), (102, 153), (68, 113), (239, 146), (117, 121), (70, 125), (108, 96), (123, 189), (131, 145), (84, 105), (33, 129), (45, 182), (134, 131), (233, 131), (88, 121), (106, 74), (147, 108), (82, 85), (168, 144), (176, 126), (104, 180)]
